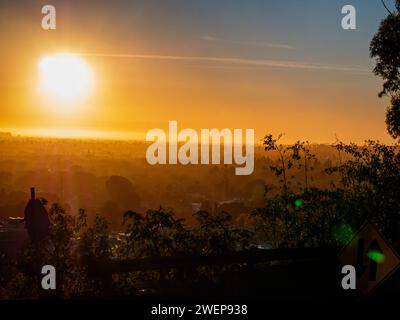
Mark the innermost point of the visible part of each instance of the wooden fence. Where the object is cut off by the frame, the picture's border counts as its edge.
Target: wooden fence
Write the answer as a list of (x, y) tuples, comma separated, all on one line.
[(103, 270)]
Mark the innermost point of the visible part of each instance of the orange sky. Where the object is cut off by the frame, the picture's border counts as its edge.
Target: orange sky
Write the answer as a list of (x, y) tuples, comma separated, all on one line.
[(143, 80)]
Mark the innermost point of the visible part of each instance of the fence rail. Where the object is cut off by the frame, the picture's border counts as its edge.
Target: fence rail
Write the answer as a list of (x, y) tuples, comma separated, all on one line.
[(103, 268)]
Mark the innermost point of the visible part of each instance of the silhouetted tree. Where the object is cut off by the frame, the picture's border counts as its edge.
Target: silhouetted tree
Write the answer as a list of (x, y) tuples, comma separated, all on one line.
[(154, 233), (302, 154), (122, 191), (385, 48), (298, 153)]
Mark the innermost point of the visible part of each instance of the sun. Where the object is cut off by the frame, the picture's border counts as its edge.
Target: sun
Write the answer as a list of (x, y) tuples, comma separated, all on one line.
[(65, 77)]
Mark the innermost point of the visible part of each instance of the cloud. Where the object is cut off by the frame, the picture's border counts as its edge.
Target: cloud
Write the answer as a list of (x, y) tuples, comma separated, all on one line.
[(250, 43), (232, 61)]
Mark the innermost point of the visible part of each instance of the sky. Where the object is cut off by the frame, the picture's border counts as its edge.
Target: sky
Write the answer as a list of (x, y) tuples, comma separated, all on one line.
[(272, 65)]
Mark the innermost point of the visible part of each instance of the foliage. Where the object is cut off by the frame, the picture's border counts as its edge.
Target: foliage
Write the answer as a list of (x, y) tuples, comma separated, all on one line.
[(301, 220), (218, 234), (297, 154), (95, 241), (372, 180), (393, 118), (155, 233), (385, 48), (371, 184)]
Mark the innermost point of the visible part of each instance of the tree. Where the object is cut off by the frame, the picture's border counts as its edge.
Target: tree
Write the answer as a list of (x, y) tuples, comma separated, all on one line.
[(153, 234), (285, 162), (385, 48), (298, 153), (122, 191), (299, 149)]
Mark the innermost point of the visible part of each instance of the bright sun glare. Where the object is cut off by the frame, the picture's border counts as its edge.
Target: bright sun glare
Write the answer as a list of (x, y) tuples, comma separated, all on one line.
[(65, 77)]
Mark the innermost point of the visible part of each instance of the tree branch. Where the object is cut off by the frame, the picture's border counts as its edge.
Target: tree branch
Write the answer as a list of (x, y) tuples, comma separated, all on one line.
[(384, 4)]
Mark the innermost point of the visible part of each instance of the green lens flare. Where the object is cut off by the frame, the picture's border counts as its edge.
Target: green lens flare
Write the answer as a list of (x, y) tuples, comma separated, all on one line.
[(298, 203), (343, 233), (376, 256)]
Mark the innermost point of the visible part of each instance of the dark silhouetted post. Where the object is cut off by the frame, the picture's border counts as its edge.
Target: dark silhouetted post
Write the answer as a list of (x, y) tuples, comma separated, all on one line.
[(36, 219), (38, 226)]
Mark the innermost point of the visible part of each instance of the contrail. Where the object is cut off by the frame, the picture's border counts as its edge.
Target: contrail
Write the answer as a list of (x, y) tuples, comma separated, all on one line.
[(236, 61)]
